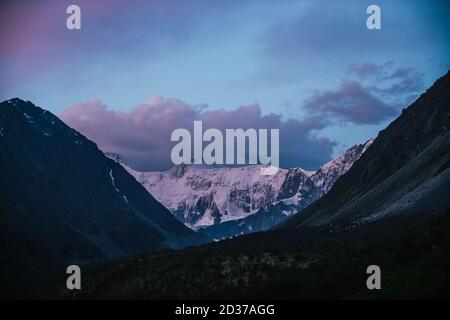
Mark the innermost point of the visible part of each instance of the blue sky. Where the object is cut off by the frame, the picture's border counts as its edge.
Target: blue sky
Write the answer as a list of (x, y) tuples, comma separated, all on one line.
[(279, 55)]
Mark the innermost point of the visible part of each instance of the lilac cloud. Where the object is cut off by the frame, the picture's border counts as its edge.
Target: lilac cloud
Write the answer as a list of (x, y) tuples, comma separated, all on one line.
[(407, 80), (351, 102), (388, 79), (142, 135), (369, 70)]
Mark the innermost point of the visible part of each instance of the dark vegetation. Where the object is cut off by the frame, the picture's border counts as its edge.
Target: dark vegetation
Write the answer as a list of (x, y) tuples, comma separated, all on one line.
[(413, 254)]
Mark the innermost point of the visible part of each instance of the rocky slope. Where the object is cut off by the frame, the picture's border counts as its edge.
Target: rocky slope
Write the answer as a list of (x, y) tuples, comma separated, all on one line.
[(63, 201), (406, 169)]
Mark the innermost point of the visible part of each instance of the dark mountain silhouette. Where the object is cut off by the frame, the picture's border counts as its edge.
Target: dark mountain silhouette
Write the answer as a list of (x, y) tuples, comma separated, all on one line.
[(405, 170), (63, 201), (392, 209)]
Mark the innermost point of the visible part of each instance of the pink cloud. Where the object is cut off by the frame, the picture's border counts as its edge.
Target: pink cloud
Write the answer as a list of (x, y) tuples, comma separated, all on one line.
[(142, 135)]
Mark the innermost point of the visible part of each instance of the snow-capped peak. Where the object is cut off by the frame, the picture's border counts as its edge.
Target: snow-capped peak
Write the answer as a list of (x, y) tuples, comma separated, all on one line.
[(203, 196)]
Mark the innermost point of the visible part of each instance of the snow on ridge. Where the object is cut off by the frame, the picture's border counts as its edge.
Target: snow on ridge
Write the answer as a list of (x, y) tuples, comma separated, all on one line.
[(308, 173), (113, 182), (202, 196), (206, 192), (367, 145), (29, 118)]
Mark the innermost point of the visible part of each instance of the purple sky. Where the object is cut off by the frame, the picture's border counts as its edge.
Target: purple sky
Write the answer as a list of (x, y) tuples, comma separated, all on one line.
[(135, 72)]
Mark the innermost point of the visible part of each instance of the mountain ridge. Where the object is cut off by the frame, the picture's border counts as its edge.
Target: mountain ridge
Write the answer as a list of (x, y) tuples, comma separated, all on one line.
[(229, 201), (422, 127), (63, 200)]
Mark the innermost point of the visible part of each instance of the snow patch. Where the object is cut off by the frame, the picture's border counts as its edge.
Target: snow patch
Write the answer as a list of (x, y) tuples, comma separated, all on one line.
[(29, 118), (113, 182)]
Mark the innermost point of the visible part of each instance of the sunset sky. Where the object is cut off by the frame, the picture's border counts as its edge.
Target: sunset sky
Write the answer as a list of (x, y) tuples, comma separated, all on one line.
[(138, 69)]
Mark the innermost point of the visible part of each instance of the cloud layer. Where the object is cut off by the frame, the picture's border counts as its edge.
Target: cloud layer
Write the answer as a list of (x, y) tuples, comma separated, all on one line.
[(142, 135), (350, 103), (371, 94), (387, 79), (375, 93)]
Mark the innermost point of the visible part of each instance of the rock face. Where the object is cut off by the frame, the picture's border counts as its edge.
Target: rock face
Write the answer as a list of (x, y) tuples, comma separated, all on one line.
[(224, 202), (202, 197), (64, 201)]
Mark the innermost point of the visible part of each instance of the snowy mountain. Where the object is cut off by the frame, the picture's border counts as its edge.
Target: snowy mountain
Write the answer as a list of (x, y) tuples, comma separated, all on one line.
[(328, 173), (202, 197), (218, 201), (297, 192)]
